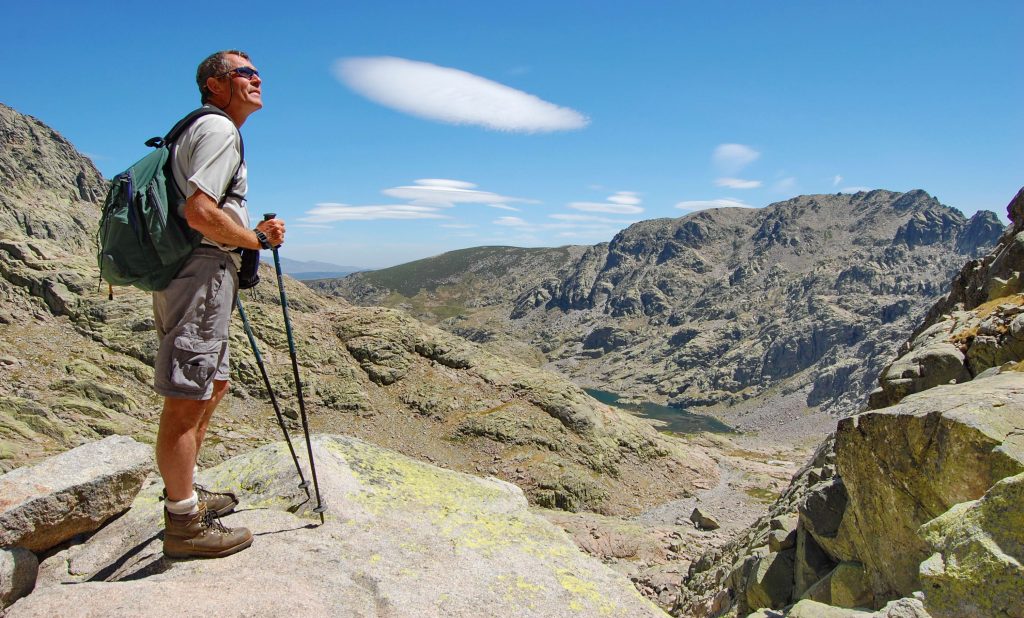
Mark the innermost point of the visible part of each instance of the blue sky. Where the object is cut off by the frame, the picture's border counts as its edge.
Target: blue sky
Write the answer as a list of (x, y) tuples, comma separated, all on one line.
[(399, 130)]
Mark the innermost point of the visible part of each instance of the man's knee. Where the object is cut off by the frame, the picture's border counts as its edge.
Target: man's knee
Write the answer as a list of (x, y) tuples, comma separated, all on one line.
[(220, 387), (182, 414)]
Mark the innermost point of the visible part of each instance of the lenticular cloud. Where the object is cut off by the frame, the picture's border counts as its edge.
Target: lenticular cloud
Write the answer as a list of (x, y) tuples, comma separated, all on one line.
[(453, 96)]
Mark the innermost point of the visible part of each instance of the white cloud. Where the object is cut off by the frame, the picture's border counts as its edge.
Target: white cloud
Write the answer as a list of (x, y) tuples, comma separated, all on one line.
[(458, 226), (504, 207), (854, 189), (442, 193), (445, 183), (615, 209), (624, 197), (719, 203), (588, 219), (836, 180), (731, 158), (329, 213), (737, 183), (452, 96), (620, 203), (510, 221)]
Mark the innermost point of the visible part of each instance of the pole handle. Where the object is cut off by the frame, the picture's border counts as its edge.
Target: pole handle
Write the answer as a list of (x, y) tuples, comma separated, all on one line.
[(267, 216)]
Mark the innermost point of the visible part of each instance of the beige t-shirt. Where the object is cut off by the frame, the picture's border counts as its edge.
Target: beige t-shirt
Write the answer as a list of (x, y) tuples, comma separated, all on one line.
[(205, 157)]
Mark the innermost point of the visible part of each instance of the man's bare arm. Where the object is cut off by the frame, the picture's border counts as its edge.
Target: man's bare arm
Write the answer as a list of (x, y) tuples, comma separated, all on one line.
[(203, 215)]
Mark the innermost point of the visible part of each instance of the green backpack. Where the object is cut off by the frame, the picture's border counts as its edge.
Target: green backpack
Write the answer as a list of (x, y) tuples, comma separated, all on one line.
[(142, 241)]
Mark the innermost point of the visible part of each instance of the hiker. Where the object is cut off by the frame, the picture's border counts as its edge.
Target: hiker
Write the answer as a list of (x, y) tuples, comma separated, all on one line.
[(192, 314)]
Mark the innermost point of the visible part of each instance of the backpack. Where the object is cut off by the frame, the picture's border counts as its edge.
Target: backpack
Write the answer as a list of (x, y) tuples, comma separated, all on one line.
[(142, 240)]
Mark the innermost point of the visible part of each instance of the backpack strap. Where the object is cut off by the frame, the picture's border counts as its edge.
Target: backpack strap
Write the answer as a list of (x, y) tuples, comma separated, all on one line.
[(185, 123)]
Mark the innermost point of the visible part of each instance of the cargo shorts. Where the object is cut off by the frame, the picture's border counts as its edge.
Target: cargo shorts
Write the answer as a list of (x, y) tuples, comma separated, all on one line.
[(192, 316)]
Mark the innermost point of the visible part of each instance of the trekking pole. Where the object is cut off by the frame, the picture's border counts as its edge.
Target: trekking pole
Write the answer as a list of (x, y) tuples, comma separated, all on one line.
[(270, 391), (320, 506)]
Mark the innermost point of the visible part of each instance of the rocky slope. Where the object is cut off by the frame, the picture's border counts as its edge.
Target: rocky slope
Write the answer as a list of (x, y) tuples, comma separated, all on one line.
[(807, 296), (401, 538), (75, 366), (918, 501)]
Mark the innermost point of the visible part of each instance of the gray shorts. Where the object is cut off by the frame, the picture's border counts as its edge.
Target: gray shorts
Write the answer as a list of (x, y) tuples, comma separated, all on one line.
[(192, 316)]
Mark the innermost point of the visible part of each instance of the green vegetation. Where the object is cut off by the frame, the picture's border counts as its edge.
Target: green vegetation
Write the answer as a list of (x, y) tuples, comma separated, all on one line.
[(431, 273)]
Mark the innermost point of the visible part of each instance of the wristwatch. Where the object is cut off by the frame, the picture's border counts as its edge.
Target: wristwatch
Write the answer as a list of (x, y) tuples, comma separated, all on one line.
[(264, 243)]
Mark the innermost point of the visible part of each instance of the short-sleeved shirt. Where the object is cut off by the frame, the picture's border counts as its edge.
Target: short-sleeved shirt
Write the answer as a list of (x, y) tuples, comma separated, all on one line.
[(206, 157)]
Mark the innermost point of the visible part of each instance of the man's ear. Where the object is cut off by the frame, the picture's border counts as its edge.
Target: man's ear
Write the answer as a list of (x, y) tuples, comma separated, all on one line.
[(215, 86)]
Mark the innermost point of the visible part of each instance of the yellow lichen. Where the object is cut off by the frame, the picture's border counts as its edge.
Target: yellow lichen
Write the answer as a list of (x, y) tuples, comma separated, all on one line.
[(583, 590)]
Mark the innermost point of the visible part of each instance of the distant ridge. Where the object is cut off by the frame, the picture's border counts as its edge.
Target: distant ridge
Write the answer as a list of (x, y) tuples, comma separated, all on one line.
[(305, 270), (804, 299)]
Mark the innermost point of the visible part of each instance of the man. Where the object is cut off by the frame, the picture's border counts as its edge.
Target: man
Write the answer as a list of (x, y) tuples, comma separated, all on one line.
[(192, 314)]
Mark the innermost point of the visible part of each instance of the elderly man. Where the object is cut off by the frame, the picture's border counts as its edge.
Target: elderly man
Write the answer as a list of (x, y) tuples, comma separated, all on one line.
[(192, 314)]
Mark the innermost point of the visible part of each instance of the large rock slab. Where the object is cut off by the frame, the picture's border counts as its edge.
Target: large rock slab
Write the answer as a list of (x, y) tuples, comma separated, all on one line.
[(907, 464), (900, 608), (18, 569), (402, 538), (71, 493), (770, 583), (977, 569)]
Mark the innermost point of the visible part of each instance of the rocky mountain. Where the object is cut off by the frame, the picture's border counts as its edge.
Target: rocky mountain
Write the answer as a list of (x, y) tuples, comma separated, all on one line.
[(75, 366), (913, 508), (806, 298)]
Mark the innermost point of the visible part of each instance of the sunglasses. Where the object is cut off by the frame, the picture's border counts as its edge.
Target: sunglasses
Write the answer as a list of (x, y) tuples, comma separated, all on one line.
[(247, 72)]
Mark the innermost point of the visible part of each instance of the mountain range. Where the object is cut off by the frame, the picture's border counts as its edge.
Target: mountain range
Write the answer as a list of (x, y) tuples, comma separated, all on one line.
[(799, 304)]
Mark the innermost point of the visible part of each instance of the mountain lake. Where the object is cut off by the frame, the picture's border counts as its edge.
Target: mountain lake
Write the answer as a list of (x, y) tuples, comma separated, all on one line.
[(677, 420)]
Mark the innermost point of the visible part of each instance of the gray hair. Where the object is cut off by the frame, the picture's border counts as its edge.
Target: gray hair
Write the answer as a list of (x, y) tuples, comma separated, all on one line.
[(215, 65)]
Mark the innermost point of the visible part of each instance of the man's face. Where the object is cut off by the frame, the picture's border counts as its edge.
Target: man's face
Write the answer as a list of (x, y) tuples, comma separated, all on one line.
[(244, 91)]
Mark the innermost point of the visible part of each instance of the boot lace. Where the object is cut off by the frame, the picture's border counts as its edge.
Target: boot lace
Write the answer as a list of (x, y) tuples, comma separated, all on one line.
[(204, 493), (212, 522)]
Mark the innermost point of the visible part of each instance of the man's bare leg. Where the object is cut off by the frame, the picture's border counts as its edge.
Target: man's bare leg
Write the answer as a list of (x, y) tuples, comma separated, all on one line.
[(220, 388), (176, 444)]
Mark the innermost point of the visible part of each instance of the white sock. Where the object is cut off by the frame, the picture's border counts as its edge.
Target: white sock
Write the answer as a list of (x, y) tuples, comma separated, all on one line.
[(188, 506)]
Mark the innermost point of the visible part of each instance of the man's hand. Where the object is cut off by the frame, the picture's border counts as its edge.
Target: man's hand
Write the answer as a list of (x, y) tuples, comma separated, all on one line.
[(274, 231), (203, 215)]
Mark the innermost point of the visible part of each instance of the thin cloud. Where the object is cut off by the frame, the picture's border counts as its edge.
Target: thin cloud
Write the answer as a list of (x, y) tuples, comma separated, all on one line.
[(737, 183), (589, 219), (625, 197), (330, 213), (452, 96), (504, 207), (704, 204), (615, 209), (510, 222), (620, 203), (443, 193), (836, 180), (855, 189), (458, 226), (731, 158)]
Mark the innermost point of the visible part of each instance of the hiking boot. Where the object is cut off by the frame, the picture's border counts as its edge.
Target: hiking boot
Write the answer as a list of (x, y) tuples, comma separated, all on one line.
[(201, 535), (220, 503)]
